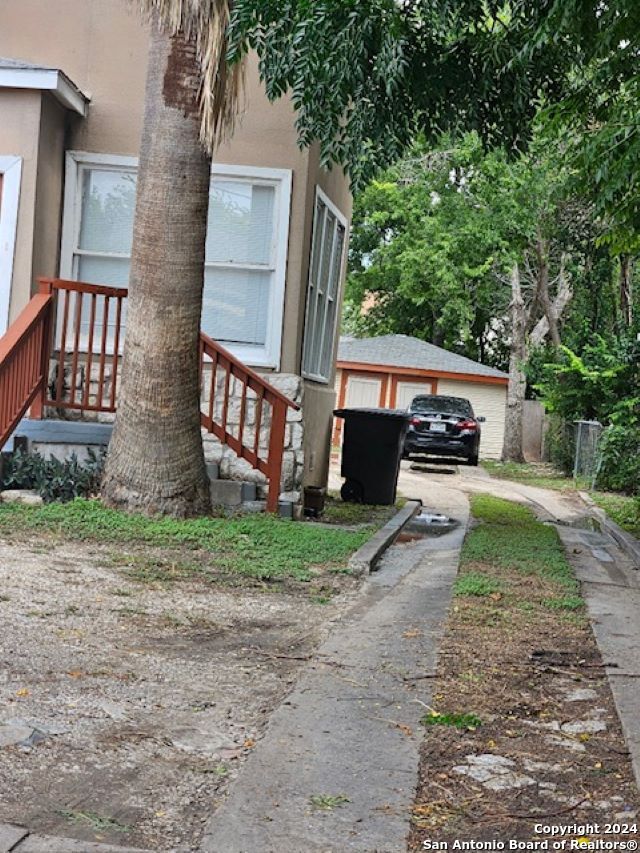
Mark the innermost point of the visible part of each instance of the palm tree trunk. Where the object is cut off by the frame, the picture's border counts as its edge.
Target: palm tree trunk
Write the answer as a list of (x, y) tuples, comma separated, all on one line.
[(156, 462)]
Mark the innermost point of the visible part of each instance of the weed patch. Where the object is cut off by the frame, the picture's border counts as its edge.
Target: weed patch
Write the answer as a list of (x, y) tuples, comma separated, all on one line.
[(476, 584), (98, 823), (457, 721), (567, 602), (328, 802)]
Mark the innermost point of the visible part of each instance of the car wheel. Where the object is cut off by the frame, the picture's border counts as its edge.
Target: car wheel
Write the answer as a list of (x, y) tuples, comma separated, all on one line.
[(352, 492), (473, 460)]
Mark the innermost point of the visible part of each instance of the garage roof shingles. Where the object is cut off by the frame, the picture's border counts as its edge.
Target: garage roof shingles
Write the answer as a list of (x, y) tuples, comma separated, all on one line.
[(404, 351)]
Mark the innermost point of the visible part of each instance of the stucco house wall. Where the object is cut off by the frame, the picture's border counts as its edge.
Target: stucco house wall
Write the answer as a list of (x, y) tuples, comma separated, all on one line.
[(101, 45)]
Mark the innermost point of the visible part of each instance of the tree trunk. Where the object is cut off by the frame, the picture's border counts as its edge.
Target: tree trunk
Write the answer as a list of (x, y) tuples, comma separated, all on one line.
[(156, 462), (563, 297), (542, 256), (626, 294), (512, 447)]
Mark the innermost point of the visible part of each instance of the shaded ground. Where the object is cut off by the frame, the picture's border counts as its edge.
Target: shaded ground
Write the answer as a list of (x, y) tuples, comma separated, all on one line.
[(135, 679), (522, 727)]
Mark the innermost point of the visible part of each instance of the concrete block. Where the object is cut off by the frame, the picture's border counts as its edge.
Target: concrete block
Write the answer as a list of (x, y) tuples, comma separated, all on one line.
[(253, 506), (213, 470), (226, 493), (249, 492), (285, 509), (21, 496)]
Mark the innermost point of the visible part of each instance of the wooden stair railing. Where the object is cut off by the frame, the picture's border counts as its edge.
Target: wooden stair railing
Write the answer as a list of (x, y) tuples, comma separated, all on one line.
[(262, 418), (86, 370), (24, 362)]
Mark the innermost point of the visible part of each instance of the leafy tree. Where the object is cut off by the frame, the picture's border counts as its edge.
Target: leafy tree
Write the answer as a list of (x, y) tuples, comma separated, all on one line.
[(363, 77)]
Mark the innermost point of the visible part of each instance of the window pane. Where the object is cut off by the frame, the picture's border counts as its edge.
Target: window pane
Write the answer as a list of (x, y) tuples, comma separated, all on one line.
[(241, 223), (327, 248), (108, 204), (334, 279), (236, 305), (111, 271), (322, 295)]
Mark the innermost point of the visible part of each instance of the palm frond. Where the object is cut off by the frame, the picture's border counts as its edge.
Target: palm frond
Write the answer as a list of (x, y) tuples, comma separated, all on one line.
[(222, 85)]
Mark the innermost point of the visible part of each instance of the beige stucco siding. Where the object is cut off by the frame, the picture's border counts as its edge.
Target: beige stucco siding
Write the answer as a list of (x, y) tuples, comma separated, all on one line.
[(19, 137), (102, 46), (488, 401)]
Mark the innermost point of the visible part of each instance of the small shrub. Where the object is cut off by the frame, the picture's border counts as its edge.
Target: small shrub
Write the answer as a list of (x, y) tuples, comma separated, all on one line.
[(619, 468), (53, 479)]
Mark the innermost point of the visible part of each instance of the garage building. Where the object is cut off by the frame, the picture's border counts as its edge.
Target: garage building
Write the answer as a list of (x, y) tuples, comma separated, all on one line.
[(390, 370)]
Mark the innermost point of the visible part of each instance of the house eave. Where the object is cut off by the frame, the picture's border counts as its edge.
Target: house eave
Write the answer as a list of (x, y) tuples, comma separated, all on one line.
[(422, 372), (46, 80)]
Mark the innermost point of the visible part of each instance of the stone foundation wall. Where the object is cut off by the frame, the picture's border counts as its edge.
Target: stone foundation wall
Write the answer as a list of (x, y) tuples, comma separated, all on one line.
[(231, 467)]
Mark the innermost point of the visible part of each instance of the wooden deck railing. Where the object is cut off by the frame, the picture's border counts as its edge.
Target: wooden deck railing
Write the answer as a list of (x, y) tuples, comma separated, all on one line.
[(88, 335), (85, 358)]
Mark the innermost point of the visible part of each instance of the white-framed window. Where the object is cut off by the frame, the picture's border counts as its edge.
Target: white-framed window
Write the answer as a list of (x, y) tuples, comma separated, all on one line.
[(10, 174), (328, 246), (246, 251)]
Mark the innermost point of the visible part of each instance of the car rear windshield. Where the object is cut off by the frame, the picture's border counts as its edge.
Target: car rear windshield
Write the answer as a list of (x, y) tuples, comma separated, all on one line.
[(443, 405)]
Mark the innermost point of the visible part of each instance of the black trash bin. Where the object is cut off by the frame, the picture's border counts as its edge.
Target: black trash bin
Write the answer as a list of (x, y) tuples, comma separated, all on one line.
[(371, 453)]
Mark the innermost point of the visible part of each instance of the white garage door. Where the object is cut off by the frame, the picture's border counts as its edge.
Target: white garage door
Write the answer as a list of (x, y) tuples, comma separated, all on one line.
[(363, 393), (488, 401), (408, 390)]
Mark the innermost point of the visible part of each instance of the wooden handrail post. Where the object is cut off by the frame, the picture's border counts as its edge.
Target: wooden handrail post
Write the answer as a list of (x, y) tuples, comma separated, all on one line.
[(45, 287), (276, 452)]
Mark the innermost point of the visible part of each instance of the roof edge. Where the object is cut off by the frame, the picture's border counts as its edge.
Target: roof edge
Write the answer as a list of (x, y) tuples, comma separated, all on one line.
[(498, 378), (47, 80)]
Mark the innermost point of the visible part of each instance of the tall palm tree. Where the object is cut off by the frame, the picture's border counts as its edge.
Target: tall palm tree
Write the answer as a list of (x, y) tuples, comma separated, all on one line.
[(156, 461)]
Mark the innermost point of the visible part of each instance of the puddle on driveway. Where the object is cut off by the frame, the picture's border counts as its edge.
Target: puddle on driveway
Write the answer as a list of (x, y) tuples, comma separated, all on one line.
[(427, 524)]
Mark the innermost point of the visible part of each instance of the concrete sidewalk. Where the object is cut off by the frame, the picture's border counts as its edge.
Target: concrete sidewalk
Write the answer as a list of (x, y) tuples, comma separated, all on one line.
[(351, 728), (611, 589)]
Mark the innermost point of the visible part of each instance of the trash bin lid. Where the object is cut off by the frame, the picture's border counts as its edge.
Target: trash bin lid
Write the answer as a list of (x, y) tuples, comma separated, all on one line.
[(392, 414)]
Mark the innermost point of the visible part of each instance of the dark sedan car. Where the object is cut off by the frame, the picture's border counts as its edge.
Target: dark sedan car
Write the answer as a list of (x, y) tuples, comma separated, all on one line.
[(443, 426)]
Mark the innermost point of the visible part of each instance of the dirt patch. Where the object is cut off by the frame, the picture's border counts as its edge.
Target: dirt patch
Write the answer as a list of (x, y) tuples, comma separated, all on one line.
[(523, 728), (134, 683)]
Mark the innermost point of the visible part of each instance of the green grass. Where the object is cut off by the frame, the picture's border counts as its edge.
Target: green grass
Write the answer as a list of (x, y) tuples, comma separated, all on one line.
[(566, 602), (623, 509), (258, 546), (532, 474), (512, 537), (476, 584)]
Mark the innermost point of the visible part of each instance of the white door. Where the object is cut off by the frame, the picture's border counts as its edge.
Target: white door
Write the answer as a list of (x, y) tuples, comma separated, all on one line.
[(10, 170), (363, 393), (406, 391)]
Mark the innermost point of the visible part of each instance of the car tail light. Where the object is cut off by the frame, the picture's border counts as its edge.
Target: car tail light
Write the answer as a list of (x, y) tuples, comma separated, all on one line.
[(467, 424), (415, 421)]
